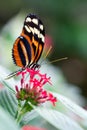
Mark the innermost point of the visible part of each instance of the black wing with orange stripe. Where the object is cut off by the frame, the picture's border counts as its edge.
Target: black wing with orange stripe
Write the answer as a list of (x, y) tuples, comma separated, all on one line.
[(28, 47)]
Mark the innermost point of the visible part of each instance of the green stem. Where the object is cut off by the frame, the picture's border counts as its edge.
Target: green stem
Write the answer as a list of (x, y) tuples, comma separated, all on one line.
[(22, 110), (18, 115)]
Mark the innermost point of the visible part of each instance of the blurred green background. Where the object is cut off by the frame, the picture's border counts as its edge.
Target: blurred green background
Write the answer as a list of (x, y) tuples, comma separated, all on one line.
[(66, 29)]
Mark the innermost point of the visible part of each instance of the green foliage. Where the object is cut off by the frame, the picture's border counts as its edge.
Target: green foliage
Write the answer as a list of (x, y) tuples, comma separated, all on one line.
[(7, 122), (8, 102), (65, 21), (56, 119)]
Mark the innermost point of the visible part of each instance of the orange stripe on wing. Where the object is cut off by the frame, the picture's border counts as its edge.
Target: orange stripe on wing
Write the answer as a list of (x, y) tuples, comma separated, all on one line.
[(40, 49), (36, 44), (30, 42), (24, 52), (16, 56)]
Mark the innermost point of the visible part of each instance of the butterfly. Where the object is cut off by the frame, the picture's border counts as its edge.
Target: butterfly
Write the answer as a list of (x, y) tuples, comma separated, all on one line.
[(28, 47)]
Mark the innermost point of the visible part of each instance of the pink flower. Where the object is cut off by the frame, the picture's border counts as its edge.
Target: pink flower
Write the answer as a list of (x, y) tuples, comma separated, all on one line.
[(32, 87), (31, 128)]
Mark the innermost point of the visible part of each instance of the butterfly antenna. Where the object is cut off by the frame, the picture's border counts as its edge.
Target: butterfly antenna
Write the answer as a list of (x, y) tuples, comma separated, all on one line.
[(46, 54), (56, 60), (12, 74)]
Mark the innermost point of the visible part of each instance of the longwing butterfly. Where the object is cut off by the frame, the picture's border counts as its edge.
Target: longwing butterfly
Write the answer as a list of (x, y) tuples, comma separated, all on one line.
[(28, 47)]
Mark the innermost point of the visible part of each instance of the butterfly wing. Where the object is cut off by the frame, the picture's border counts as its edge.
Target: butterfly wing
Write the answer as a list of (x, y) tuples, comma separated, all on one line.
[(21, 52), (34, 25), (41, 41), (28, 47)]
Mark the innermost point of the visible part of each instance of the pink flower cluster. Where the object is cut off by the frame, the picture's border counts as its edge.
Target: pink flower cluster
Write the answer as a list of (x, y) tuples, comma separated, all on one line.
[(32, 82)]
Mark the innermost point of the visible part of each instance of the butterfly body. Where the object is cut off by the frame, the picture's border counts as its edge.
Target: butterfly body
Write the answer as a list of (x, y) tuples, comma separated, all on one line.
[(28, 47)]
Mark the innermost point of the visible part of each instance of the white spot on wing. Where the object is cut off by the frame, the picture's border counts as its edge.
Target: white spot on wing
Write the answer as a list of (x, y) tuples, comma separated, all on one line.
[(27, 29), (28, 19), (42, 37), (32, 30), (36, 31), (41, 26), (35, 21)]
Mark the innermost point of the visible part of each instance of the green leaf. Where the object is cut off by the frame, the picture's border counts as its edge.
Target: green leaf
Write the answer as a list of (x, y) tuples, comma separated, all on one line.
[(8, 101), (32, 118), (58, 119), (29, 117), (71, 106), (6, 83), (7, 122)]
